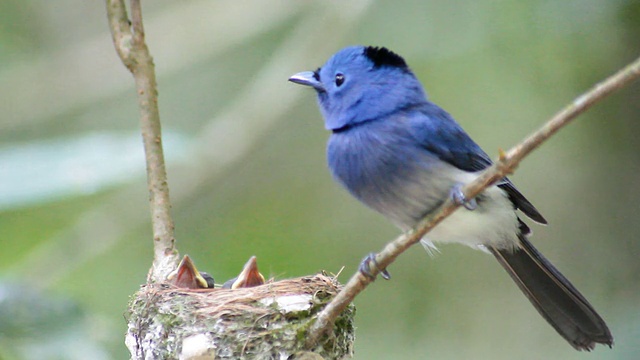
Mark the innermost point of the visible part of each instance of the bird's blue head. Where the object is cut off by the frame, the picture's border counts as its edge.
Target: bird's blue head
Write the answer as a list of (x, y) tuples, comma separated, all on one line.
[(360, 83)]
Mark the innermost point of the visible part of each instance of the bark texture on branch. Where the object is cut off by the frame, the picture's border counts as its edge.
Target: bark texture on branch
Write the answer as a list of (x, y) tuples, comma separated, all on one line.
[(128, 39)]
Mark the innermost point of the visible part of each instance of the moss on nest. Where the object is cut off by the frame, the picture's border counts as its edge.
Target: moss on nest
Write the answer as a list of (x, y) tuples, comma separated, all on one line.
[(263, 322)]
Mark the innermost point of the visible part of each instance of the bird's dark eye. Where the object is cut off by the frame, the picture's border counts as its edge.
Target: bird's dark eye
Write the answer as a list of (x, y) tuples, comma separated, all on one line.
[(339, 79)]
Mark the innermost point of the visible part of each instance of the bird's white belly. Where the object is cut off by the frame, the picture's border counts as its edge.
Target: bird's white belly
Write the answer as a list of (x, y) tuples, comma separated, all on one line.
[(493, 223)]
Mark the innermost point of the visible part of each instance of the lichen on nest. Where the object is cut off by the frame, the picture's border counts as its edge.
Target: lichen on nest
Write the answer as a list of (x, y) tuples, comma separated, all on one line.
[(263, 322)]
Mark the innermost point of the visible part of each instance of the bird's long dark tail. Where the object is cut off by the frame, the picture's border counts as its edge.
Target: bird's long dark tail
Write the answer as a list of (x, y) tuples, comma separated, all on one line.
[(554, 297)]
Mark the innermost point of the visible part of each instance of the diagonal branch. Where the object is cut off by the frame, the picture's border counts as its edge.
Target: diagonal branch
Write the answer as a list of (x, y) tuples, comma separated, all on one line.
[(505, 165), (129, 41)]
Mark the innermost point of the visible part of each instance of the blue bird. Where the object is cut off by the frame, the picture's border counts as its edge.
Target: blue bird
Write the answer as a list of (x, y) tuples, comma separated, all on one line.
[(403, 156)]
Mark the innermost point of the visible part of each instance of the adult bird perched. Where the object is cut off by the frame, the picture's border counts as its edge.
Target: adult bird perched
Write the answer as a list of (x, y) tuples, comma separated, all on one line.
[(403, 156), (187, 276)]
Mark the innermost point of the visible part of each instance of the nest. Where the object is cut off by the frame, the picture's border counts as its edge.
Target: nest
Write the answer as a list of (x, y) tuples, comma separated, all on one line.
[(264, 322)]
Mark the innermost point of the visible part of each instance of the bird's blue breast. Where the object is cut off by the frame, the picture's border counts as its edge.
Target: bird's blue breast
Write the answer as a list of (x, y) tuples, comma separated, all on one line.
[(382, 165)]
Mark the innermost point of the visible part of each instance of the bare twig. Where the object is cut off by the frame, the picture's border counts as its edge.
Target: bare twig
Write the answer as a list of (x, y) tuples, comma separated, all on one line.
[(128, 39), (506, 164)]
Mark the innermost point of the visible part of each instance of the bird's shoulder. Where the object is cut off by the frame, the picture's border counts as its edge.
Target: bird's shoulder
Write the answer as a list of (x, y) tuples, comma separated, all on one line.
[(436, 131)]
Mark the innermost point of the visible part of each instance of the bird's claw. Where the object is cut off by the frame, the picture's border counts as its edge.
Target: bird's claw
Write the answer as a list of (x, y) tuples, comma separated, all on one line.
[(365, 268), (459, 198)]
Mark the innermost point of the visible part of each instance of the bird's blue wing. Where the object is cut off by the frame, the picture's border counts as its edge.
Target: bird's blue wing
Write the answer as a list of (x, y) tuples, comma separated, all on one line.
[(437, 132)]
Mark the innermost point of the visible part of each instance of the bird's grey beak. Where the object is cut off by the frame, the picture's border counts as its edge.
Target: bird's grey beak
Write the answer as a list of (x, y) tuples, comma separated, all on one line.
[(307, 78)]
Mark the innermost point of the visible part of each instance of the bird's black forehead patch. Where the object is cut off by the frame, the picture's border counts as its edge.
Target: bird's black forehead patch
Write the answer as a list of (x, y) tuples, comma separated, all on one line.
[(381, 56), (316, 74)]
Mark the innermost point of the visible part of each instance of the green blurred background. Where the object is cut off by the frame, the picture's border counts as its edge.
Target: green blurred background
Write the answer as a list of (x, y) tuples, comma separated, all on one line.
[(247, 169)]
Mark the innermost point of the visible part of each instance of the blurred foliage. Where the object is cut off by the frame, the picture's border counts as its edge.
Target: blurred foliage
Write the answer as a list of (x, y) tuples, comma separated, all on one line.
[(250, 178)]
